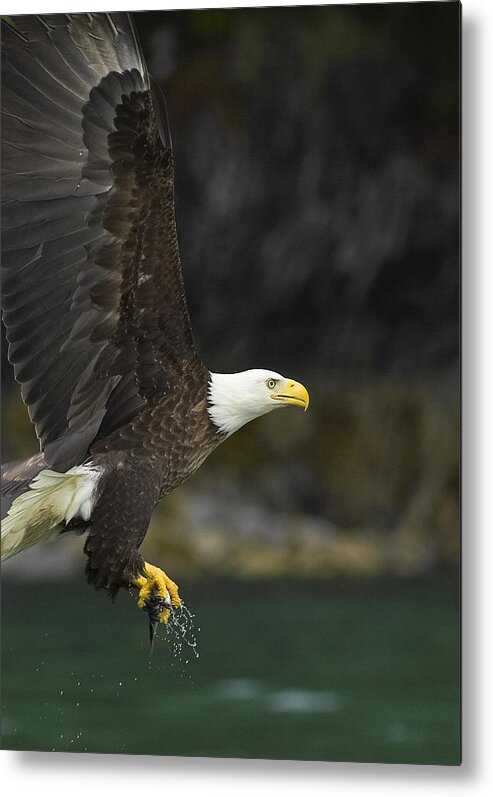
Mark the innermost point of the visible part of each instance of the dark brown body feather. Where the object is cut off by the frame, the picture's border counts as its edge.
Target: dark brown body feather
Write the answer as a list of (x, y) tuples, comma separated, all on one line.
[(93, 298), (142, 461)]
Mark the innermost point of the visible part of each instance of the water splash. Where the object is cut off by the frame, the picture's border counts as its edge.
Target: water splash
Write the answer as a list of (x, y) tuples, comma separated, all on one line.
[(181, 634)]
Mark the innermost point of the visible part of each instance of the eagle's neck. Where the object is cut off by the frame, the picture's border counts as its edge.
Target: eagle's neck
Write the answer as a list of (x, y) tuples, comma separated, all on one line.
[(231, 402)]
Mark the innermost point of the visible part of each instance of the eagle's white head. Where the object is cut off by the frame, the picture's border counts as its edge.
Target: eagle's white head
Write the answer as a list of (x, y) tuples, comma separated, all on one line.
[(236, 399)]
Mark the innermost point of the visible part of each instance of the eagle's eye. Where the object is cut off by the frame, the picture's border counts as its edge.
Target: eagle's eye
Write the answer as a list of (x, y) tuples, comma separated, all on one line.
[(271, 383)]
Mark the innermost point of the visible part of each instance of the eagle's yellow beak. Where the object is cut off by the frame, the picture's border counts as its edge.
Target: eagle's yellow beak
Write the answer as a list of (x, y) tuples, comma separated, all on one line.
[(291, 392)]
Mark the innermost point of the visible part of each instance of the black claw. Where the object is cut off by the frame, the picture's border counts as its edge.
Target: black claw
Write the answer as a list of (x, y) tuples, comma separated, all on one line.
[(154, 606), (153, 624)]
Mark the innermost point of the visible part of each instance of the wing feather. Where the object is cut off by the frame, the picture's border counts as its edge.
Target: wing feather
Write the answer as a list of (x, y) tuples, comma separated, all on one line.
[(93, 295)]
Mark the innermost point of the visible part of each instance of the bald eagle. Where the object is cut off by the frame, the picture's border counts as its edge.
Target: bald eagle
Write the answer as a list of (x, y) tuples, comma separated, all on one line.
[(94, 304)]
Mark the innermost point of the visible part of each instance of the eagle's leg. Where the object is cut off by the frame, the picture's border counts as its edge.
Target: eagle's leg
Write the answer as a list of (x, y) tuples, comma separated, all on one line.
[(157, 593)]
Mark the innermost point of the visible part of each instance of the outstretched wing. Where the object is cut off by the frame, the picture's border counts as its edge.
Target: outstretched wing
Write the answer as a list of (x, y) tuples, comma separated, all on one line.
[(93, 295)]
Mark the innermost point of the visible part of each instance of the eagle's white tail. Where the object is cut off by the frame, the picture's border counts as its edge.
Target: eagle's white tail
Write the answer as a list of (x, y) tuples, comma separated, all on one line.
[(52, 500)]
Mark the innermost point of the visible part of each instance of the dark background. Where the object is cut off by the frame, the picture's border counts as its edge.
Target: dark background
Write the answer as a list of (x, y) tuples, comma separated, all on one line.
[(317, 199)]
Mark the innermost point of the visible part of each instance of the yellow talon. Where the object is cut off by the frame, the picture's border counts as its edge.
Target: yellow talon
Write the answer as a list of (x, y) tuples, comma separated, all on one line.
[(154, 583)]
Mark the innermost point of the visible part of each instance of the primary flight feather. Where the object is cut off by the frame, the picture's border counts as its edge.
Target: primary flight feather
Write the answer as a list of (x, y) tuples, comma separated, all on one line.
[(94, 304)]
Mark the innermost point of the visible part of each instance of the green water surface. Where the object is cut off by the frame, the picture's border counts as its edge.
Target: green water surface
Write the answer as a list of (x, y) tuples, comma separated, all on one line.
[(294, 670)]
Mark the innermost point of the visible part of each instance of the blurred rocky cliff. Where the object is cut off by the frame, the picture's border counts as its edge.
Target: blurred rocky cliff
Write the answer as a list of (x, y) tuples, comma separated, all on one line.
[(317, 193)]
